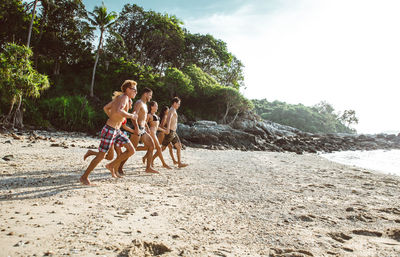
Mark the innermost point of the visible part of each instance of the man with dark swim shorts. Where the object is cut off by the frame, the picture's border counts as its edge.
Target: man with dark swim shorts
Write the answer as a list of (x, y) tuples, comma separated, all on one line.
[(140, 134), (171, 135)]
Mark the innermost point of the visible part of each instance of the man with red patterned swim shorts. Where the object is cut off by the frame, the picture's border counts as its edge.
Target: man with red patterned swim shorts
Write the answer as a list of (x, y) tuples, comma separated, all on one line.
[(111, 133)]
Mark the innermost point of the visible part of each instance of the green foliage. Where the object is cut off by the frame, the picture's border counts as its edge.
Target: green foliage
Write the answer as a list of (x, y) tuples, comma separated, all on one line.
[(178, 83), (349, 117), (17, 76), (212, 56), (64, 35), (152, 39), (71, 113), (14, 22), (156, 51), (320, 118)]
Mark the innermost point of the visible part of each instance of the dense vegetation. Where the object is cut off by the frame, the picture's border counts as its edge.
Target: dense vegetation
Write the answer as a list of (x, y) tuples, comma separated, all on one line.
[(83, 70), (320, 118)]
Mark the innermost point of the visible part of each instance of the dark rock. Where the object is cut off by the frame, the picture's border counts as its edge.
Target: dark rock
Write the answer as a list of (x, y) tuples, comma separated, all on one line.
[(251, 133), (8, 157)]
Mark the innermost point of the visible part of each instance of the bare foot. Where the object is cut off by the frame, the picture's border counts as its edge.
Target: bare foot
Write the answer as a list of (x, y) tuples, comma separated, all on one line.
[(121, 172), (182, 165), (111, 169), (166, 166), (150, 170), (87, 154), (175, 162), (86, 181)]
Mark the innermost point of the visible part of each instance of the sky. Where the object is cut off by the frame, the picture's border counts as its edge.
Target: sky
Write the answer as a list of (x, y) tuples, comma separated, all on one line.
[(344, 52)]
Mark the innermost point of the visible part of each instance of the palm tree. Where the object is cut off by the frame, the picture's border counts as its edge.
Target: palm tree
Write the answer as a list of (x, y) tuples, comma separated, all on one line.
[(103, 21), (33, 18)]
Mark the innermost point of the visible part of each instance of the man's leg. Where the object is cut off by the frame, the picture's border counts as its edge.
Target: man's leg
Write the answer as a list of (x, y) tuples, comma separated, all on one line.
[(118, 150), (159, 153), (148, 142), (115, 165), (84, 178), (110, 153), (135, 141), (178, 147), (171, 152), (89, 153)]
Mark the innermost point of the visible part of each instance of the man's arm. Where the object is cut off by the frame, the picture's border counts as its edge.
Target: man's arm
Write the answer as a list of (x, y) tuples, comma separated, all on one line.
[(136, 109), (107, 108), (123, 102), (169, 118), (128, 128)]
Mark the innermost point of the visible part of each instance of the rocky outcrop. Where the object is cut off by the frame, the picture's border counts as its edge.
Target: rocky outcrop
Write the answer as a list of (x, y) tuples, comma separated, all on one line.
[(261, 135)]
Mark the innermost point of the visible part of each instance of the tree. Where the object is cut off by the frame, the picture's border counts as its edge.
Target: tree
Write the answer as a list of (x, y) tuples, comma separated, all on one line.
[(31, 24), (324, 107), (154, 39), (212, 56), (18, 79), (65, 36), (317, 119), (178, 83), (14, 22), (349, 117), (104, 21)]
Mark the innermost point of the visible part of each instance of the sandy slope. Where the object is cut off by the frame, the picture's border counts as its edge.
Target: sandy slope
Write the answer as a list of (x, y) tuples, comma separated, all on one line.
[(226, 203)]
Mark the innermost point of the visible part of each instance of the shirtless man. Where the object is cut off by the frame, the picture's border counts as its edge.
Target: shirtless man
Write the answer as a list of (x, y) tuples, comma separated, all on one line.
[(171, 135), (140, 125), (111, 134)]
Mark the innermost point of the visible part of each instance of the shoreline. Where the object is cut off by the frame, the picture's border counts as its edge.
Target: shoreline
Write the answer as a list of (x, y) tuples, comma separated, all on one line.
[(381, 160), (226, 203)]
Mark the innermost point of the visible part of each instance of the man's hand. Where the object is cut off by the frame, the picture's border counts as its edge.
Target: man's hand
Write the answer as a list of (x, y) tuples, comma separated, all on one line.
[(134, 116)]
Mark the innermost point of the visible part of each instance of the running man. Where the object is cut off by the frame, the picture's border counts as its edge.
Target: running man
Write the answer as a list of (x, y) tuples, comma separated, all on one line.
[(140, 124), (171, 136), (111, 133)]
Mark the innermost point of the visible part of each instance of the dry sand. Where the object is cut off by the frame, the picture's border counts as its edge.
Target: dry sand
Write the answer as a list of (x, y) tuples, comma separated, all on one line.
[(226, 203)]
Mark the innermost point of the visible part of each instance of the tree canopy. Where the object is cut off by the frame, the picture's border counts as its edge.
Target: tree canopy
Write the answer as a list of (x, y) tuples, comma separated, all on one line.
[(152, 48), (320, 118)]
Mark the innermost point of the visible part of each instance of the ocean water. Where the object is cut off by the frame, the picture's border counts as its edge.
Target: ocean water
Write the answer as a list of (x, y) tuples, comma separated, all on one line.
[(386, 161)]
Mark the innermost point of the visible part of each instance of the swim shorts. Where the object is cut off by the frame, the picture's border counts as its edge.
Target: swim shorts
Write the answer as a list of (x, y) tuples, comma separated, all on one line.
[(109, 136), (172, 137)]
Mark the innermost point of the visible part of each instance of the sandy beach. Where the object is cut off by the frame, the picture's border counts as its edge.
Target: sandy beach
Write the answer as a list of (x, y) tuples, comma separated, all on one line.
[(226, 203)]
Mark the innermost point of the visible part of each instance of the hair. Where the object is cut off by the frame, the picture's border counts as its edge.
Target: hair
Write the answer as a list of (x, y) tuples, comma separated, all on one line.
[(126, 84), (116, 94), (162, 113), (151, 104), (175, 100), (146, 90)]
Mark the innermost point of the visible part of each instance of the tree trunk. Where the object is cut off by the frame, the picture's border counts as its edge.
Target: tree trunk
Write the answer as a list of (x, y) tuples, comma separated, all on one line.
[(228, 107), (95, 63), (234, 118), (17, 117), (11, 107), (57, 66), (5, 119), (31, 25)]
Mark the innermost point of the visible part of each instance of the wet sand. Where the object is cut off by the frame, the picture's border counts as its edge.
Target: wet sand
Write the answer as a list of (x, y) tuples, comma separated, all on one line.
[(226, 203)]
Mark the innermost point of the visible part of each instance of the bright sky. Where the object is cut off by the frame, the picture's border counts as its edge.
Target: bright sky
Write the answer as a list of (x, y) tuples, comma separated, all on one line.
[(345, 52)]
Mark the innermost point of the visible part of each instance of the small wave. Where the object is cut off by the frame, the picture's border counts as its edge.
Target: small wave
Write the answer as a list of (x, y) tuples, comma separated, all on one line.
[(386, 161)]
